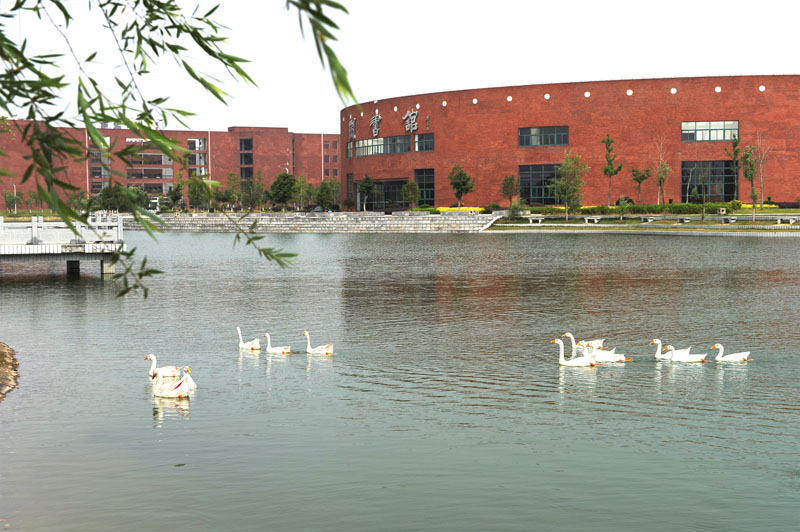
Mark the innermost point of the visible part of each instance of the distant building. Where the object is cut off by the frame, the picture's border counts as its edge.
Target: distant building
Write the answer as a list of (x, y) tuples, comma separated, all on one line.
[(525, 131), (243, 151)]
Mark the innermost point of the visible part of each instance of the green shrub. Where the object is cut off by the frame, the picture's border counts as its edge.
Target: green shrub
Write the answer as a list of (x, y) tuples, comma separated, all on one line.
[(494, 206), (735, 205)]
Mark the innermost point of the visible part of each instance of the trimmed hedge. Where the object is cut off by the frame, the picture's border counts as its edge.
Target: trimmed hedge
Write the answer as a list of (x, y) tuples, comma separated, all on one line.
[(671, 208)]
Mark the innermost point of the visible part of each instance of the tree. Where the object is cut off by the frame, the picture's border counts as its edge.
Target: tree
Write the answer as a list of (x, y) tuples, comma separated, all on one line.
[(762, 154), (200, 191), (12, 200), (410, 193), (609, 169), (509, 188), (736, 164), (461, 182), (702, 179), (325, 195), (749, 169), (366, 187), (623, 206), (639, 177), (568, 186), (176, 194), (662, 170), (282, 189), (35, 86), (252, 195), (302, 192)]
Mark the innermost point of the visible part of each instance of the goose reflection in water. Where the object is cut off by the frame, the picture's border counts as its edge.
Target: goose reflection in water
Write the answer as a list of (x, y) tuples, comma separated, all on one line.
[(252, 358), (170, 407), (318, 362), (576, 380)]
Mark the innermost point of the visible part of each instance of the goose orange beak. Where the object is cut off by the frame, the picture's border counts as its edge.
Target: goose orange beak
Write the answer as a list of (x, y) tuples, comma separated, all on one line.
[(628, 359), (652, 342)]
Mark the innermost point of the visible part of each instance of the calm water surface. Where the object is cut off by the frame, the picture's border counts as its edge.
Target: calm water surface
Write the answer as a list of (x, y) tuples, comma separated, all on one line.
[(444, 407)]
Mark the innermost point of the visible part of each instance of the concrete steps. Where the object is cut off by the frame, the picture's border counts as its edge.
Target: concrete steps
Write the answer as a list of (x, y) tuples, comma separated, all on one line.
[(339, 222)]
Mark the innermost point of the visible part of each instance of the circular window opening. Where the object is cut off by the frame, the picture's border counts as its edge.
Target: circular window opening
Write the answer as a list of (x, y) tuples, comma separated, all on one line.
[(547, 96), (762, 88), (474, 101), (509, 98), (417, 106), (629, 92), (395, 108), (587, 94), (673, 90), (444, 103), (717, 89)]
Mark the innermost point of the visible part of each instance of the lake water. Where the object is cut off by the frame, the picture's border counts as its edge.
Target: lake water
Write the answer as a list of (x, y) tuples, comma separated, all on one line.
[(444, 407)]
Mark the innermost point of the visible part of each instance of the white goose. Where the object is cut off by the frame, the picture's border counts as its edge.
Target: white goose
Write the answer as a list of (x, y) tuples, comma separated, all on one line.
[(578, 346), (326, 349), (252, 345), (167, 372), (277, 350), (683, 355), (584, 361), (608, 355), (178, 389), (659, 354), (744, 356)]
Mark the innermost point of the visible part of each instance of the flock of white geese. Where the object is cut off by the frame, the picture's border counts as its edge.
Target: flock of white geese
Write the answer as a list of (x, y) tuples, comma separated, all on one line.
[(587, 353), (176, 381)]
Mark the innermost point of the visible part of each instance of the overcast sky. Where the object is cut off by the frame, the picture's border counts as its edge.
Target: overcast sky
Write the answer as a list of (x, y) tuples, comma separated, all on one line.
[(405, 47)]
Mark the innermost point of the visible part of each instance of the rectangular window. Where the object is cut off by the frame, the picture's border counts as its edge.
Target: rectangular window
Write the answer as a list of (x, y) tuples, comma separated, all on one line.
[(424, 179), (423, 142), (149, 173), (327, 145), (326, 158), (379, 146), (350, 190), (197, 144), (198, 170), (713, 179), (153, 159), (246, 172), (336, 158), (534, 183), (245, 144), (245, 159), (709, 131), (97, 186), (544, 136), (335, 144), (327, 172), (335, 172)]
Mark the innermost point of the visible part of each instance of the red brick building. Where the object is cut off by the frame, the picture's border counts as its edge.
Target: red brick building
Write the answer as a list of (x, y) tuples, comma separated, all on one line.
[(243, 151), (525, 131)]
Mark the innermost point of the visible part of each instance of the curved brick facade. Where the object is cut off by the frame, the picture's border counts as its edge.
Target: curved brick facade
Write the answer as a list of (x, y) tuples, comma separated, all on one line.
[(480, 130)]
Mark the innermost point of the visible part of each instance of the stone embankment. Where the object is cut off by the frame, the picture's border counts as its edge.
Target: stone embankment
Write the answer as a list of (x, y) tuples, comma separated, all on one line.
[(324, 222), (8, 370)]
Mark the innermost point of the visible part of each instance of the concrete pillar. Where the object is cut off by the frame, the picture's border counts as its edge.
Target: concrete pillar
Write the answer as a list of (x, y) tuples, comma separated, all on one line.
[(73, 268), (106, 267)]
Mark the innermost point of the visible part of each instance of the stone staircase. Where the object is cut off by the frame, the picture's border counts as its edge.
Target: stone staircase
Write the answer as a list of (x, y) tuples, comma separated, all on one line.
[(324, 222)]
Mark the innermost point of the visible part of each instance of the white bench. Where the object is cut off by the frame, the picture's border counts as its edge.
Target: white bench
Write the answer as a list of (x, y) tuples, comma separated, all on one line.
[(646, 219), (537, 219), (729, 220), (684, 220), (788, 220), (593, 219)]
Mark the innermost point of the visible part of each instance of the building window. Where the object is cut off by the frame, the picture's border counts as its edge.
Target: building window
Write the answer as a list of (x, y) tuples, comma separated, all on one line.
[(197, 144), (327, 172), (245, 159), (336, 158), (154, 159), (544, 136), (97, 186), (423, 142), (245, 144), (335, 172), (326, 158), (149, 173), (335, 144), (246, 172), (713, 179), (327, 145), (198, 171), (350, 190), (424, 179), (709, 131), (196, 159), (99, 172), (534, 183), (379, 146)]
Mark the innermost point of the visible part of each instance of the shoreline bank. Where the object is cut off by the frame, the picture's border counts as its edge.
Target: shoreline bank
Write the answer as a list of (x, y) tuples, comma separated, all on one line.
[(8, 370)]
